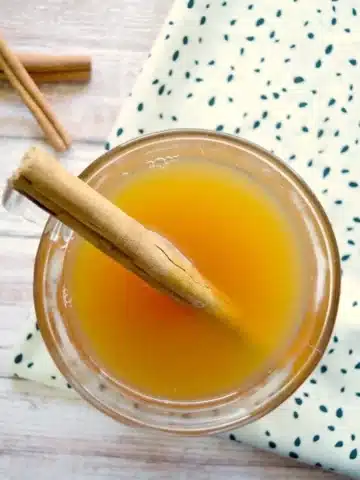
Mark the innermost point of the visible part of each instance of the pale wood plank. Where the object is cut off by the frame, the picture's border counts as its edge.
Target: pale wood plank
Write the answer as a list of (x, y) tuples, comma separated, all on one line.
[(116, 24), (100, 468)]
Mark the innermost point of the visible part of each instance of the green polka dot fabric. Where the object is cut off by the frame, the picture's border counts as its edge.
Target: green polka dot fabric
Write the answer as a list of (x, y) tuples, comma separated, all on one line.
[(285, 75)]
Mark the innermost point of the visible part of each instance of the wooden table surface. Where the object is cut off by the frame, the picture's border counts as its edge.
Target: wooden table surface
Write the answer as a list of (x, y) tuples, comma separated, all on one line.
[(43, 433)]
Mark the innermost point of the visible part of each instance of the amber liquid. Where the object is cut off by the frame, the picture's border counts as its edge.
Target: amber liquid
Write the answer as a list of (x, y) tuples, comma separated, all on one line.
[(238, 237)]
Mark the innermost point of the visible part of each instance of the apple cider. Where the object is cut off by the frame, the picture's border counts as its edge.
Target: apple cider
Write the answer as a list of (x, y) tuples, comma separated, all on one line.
[(238, 237)]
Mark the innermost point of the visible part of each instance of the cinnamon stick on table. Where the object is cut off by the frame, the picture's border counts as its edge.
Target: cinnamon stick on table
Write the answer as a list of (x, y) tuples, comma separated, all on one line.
[(56, 77), (33, 98), (42, 179), (45, 68)]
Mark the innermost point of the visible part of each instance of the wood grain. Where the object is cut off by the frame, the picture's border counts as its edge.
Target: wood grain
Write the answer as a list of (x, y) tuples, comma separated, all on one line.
[(44, 433)]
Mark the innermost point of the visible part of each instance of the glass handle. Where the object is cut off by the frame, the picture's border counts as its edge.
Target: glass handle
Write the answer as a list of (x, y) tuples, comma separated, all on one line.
[(17, 204)]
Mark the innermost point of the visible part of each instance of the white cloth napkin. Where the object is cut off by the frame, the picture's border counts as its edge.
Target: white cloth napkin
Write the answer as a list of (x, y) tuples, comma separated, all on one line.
[(285, 75)]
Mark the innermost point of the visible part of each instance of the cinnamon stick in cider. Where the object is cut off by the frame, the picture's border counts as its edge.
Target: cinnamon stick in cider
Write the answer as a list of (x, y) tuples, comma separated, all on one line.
[(42, 179), (48, 68)]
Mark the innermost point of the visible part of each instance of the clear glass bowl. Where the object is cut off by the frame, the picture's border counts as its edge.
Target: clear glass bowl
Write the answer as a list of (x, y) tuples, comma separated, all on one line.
[(293, 363)]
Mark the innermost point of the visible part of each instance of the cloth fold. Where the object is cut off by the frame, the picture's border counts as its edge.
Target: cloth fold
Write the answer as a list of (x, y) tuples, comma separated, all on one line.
[(285, 76)]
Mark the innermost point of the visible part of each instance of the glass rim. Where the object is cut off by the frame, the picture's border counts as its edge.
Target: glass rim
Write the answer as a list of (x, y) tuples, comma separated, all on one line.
[(294, 381)]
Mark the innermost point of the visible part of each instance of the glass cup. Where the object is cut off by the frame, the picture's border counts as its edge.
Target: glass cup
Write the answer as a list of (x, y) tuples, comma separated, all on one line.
[(292, 364)]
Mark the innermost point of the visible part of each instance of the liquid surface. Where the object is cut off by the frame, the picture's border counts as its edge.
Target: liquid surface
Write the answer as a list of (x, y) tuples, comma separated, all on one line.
[(237, 237)]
